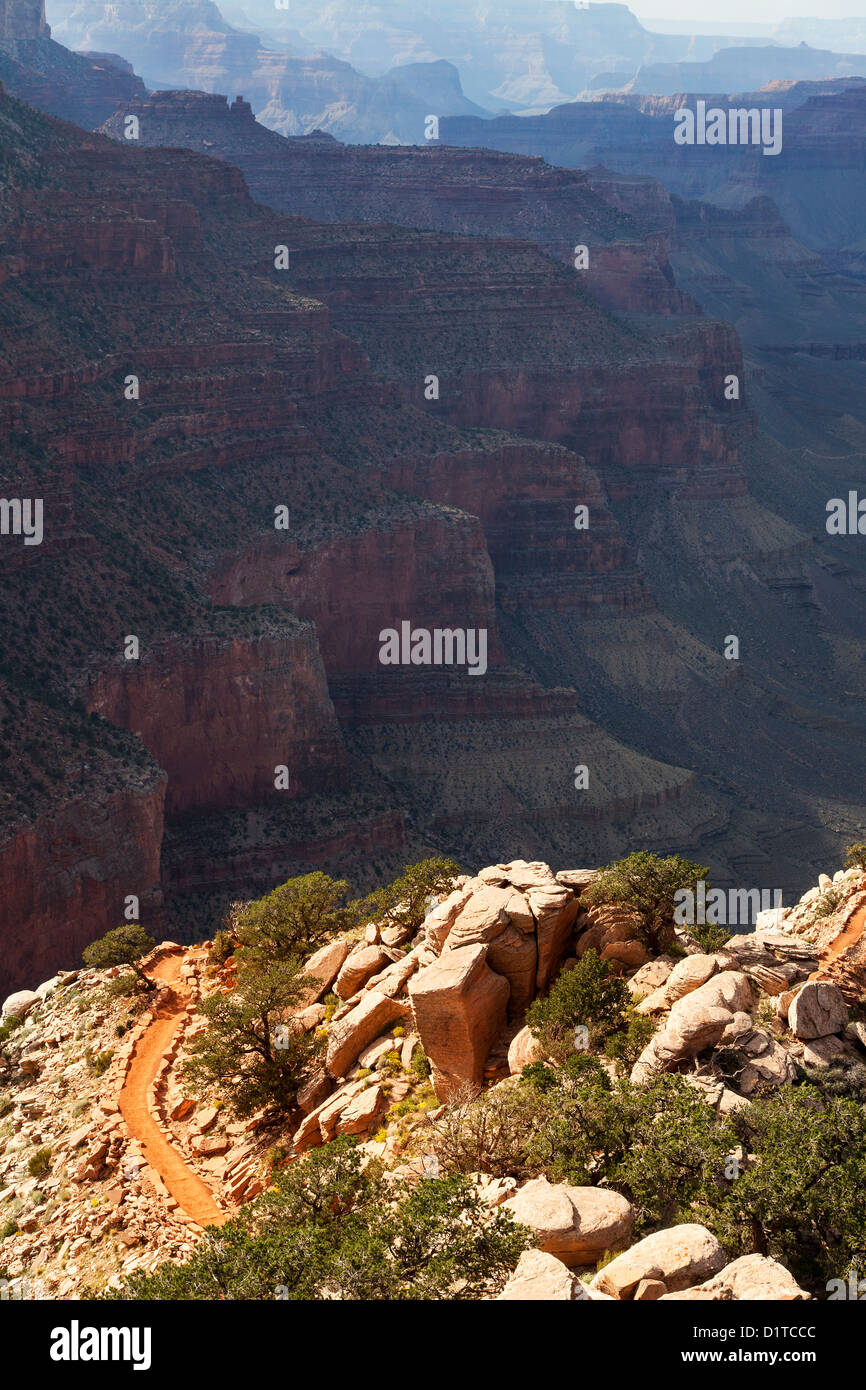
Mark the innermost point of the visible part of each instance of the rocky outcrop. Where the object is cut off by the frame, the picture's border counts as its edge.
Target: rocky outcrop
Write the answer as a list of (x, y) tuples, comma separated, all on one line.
[(84, 89), (359, 1027), (23, 19), (816, 1010), (458, 1006), (476, 191), (696, 1021), (500, 939)]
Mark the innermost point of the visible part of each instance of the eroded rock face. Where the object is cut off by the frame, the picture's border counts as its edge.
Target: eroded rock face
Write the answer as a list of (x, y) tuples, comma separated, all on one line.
[(523, 918), (359, 1027), (459, 1005), (680, 1257), (817, 1010), (514, 955), (576, 1224)]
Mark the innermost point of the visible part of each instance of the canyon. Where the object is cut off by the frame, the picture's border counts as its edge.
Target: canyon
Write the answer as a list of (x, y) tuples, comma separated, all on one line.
[(305, 388)]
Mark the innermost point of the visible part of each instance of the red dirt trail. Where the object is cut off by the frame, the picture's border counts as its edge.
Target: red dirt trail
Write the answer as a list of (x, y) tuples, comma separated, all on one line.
[(192, 1195), (845, 939)]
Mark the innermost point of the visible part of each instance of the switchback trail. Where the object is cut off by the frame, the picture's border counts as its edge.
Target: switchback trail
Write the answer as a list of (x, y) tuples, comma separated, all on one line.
[(192, 1195)]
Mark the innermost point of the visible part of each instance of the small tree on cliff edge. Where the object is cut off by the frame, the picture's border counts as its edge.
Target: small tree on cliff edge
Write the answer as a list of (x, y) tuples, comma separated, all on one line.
[(649, 885), (404, 902), (124, 946), (252, 1049), (294, 919)]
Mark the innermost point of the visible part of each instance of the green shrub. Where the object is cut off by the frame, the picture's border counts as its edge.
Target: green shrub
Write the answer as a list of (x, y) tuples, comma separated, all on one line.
[(223, 947), (98, 1062), (124, 945), (420, 1064), (247, 1050), (855, 856), (649, 885), (404, 902), (826, 904), (625, 1046), (8, 1027), (709, 936), (39, 1165), (293, 920), (588, 995), (332, 1230)]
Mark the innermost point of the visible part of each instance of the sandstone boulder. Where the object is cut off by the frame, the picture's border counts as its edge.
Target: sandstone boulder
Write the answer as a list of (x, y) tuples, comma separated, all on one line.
[(19, 1005), (392, 979), (626, 954), (357, 1116), (751, 1278), (528, 874), (514, 954), (360, 965), (315, 1091), (554, 909), (691, 1033), (361, 1026), (324, 966), (651, 976), (523, 1049), (687, 975), (729, 990), (680, 1257), (540, 1277), (769, 1064), (823, 1052), (817, 1009), (459, 1005), (576, 879), (438, 923), (576, 1224)]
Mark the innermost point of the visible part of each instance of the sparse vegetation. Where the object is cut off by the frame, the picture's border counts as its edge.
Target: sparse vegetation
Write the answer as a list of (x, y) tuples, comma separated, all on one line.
[(39, 1164), (125, 945), (404, 902), (588, 995)]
